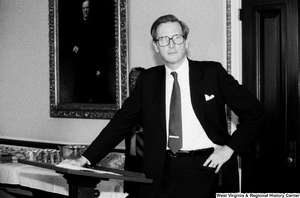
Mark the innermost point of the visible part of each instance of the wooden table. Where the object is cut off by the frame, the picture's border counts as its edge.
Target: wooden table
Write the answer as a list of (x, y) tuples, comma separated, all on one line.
[(82, 183)]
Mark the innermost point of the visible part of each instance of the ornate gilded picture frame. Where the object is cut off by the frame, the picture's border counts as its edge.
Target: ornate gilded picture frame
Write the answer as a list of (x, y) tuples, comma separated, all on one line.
[(88, 58)]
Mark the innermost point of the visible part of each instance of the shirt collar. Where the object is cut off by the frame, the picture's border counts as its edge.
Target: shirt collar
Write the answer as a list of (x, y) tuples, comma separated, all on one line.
[(182, 69)]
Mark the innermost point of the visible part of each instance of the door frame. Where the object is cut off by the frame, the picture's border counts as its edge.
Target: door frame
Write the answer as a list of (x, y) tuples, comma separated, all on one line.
[(291, 85)]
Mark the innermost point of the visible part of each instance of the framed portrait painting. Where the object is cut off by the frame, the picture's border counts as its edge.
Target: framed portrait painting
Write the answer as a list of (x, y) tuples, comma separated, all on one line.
[(88, 57)]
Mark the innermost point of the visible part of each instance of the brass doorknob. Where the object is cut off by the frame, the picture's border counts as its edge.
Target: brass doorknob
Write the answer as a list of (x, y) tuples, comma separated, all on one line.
[(290, 160)]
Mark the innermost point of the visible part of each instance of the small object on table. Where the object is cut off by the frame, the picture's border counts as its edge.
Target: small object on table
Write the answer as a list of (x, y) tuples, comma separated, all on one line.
[(6, 158)]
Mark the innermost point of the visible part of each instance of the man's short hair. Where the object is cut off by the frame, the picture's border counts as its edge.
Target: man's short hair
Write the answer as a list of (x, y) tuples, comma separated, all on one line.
[(166, 19)]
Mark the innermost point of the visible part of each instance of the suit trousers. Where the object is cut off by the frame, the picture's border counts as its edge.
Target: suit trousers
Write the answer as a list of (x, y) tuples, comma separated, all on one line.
[(185, 176)]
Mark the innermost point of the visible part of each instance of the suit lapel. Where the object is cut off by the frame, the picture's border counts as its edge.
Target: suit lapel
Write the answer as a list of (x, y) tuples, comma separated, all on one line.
[(197, 89), (160, 96)]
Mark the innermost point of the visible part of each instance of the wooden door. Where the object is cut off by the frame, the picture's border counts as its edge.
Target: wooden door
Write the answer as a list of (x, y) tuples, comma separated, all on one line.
[(270, 71)]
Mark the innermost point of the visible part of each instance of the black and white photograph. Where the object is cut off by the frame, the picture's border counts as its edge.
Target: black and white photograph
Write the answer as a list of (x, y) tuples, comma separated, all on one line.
[(149, 98)]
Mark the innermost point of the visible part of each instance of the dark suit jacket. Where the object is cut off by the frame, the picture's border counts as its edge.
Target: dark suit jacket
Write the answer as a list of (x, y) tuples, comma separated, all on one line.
[(147, 101)]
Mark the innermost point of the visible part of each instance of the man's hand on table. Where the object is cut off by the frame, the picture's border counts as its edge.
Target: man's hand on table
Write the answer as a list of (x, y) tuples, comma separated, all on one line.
[(76, 162)]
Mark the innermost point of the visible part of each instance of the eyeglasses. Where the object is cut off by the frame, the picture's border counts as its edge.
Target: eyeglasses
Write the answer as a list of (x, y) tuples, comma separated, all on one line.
[(165, 40)]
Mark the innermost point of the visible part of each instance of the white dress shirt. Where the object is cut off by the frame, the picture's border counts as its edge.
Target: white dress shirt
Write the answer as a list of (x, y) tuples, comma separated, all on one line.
[(193, 134)]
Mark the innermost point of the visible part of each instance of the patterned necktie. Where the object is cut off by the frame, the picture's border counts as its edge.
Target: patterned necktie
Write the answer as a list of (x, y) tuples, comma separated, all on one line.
[(175, 122), (139, 144)]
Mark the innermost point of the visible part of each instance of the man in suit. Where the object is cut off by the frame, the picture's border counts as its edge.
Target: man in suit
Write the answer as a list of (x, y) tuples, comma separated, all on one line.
[(94, 79), (206, 147)]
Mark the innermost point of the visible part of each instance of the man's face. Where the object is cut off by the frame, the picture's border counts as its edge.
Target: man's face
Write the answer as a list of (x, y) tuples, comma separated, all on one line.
[(173, 54), (132, 79), (85, 9)]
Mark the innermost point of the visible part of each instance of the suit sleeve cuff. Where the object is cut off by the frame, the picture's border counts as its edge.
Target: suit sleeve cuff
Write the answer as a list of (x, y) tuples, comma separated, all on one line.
[(87, 161)]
